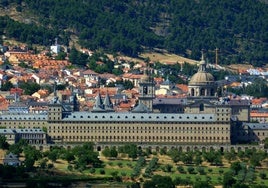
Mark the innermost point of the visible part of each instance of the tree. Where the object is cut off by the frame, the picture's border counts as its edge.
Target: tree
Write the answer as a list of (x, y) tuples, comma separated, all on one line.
[(43, 163), (167, 168), (191, 169), (201, 170), (159, 181), (3, 142), (228, 179), (69, 156), (29, 163), (236, 167), (230, 155), (53, 155), (174, 154), (130, 149), (78, 58), (113, 152), (31, 155), (266, 143), (106, 152), (17, 148), (181, 169), (198, 160), (7, 86), (263, 175), (61, 56), (29, 87), (187, 158), (202, 184)]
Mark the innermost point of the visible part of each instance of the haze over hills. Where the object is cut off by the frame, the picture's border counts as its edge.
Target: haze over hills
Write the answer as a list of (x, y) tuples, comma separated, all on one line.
[(238, 28)]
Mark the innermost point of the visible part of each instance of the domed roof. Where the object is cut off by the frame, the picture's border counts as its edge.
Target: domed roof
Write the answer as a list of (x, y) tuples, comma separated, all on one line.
[(202, 77)]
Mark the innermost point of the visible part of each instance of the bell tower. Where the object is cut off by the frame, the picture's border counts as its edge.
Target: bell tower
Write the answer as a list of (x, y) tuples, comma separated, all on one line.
[(147, 90)]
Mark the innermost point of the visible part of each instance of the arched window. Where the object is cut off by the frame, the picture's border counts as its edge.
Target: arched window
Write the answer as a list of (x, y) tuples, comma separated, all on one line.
[(202, 92), (192, 92)]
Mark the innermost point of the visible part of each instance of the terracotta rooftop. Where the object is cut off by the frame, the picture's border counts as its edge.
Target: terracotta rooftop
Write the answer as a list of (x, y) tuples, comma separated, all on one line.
[(183, 87), (89, 72), (258, 101), (258, 114)]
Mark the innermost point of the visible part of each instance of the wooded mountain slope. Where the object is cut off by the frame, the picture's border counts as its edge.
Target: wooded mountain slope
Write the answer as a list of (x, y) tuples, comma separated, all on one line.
[(238, 28)]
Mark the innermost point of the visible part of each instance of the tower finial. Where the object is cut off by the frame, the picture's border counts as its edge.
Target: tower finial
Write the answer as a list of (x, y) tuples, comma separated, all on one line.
[(202, 58), (202, 65)]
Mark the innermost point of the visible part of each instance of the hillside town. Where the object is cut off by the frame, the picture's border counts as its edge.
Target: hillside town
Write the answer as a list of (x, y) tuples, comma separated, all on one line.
[(89, 88)]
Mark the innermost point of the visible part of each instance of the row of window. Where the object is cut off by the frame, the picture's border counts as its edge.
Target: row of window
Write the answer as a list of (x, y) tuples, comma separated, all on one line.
[(23, 118), (148, 138), (134, 117), (28, 136), (184, 132), (136, 122), (22, 123), (226, 110), (136, 128)]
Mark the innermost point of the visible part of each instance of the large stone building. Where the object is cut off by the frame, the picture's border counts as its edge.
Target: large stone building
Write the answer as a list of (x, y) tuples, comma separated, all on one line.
[(199, 119)]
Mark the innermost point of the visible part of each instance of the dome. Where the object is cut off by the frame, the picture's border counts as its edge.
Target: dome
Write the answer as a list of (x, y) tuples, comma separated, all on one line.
[(201, 78)]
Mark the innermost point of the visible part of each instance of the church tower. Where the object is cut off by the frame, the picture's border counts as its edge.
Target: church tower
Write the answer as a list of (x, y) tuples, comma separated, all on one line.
[(147, 91), (55, 108)]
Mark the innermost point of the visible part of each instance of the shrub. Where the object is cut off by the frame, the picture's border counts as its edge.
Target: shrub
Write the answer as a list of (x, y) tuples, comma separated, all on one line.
[(201, 170), (70, 167), (181, 169), (221, 171), (263, 175), (92, 170), (102, 171), (177, 181), (190, 169), (154, 153), (167, 168), (210, 170), (50, 165), (120, 164), (129, 165)]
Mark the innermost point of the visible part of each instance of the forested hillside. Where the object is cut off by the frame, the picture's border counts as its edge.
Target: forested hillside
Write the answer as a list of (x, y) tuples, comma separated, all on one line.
[(238, 28)]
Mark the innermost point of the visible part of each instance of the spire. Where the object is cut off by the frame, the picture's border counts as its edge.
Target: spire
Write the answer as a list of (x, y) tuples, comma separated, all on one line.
[(108, 106), (202, 65), (98, 106), (141, 108)]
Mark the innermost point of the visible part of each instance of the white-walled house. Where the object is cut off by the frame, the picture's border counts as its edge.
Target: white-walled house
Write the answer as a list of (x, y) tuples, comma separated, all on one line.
[(91, 78)]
